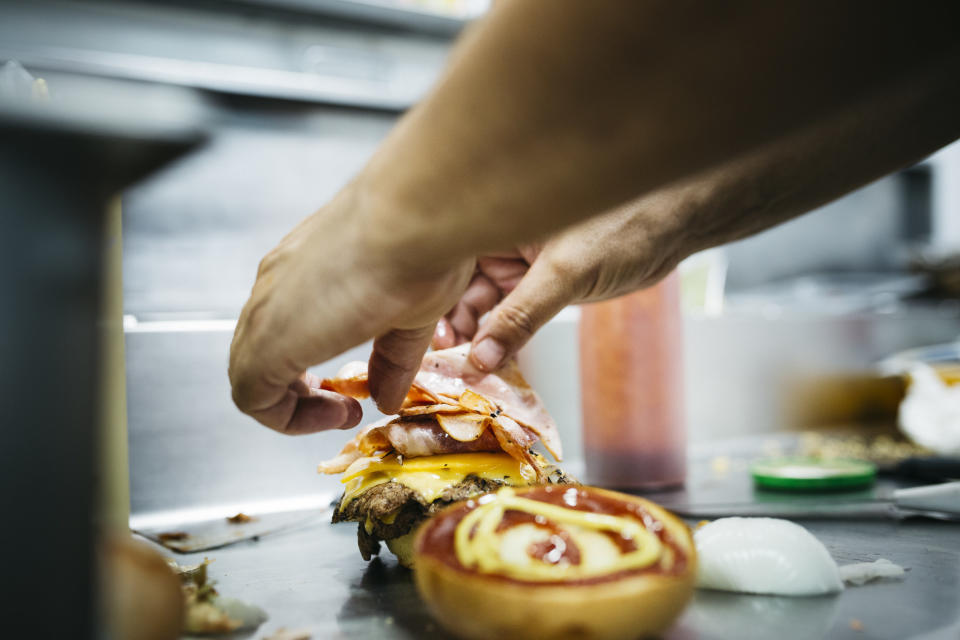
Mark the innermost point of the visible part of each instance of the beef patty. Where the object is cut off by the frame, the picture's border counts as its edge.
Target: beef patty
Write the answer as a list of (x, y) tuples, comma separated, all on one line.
[(390, 510)]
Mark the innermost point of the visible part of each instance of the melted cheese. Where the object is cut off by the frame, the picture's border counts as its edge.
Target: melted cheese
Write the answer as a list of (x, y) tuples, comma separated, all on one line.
[(429, 476)]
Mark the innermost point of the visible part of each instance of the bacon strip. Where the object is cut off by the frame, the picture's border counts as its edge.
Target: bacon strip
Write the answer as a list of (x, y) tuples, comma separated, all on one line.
[(516, 441), (464, 427), (424, 409), (368, 441), (424, 437), (410, 436), (443, 378), (351, 381), (448, 372)]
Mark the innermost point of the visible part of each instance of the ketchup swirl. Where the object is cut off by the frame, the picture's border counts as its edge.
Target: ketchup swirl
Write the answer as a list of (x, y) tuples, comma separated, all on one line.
[(437, 538)]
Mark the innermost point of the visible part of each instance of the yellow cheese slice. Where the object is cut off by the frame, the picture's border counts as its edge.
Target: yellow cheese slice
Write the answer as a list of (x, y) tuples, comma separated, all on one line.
[(429, 476)]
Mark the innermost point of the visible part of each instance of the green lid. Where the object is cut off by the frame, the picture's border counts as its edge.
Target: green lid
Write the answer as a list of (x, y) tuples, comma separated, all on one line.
[(812, 473)]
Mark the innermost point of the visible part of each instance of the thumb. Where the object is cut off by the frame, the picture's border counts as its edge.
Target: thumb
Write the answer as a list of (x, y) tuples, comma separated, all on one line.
[(393, 364), (539, 296)]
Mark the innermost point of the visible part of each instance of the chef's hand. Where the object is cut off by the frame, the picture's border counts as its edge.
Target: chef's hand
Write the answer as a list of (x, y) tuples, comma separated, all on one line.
[(603, 258), (331, 284)]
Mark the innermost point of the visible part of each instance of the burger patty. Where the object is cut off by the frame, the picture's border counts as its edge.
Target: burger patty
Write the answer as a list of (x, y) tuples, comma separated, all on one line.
[(405, 508)]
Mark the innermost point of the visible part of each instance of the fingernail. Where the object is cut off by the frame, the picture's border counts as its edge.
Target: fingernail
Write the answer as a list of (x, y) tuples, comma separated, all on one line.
[(354, 415), (442, 330), (487, 354)]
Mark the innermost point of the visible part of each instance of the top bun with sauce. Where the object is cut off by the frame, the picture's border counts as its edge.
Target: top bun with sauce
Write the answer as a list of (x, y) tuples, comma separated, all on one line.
[(555, 562)]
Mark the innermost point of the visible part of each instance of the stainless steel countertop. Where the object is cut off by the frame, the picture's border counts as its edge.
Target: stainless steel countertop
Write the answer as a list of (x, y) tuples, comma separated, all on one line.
[(314, 578)]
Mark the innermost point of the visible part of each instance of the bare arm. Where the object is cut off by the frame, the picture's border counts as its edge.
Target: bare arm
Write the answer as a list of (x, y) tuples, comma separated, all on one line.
[(638, 243), (550, 112)]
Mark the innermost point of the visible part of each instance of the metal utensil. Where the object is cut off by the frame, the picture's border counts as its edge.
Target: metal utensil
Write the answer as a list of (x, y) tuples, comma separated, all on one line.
[(198, 529), (939, 501), (925, 468)]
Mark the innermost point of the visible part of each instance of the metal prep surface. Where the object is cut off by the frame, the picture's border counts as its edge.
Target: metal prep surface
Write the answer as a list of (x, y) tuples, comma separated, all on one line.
[(313, 578)]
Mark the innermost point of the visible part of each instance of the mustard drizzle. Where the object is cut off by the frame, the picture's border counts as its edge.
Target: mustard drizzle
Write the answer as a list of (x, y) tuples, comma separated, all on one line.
[(480, 548)]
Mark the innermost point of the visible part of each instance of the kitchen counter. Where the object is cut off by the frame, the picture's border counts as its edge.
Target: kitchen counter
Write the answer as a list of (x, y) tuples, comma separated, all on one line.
[(313, 578)]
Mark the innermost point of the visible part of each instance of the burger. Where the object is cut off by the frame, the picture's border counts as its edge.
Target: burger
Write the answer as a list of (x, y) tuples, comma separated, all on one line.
[(459, 434)]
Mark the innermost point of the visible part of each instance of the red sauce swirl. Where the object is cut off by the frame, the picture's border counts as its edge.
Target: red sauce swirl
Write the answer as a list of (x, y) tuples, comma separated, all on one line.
[(438, 535)]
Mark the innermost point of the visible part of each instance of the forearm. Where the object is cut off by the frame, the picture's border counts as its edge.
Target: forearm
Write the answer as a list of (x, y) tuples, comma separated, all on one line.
[(638, 243), (817, 164), (551, 112)]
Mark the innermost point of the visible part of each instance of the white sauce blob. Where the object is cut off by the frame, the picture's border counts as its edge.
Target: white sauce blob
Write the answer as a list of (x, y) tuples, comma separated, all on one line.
[(764, 556)]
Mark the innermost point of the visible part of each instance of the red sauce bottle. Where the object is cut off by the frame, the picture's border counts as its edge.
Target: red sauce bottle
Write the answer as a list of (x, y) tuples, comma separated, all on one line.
[(631, 380)]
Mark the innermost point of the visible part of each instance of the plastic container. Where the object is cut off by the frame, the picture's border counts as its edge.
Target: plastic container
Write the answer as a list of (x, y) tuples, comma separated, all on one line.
[(632, 389)]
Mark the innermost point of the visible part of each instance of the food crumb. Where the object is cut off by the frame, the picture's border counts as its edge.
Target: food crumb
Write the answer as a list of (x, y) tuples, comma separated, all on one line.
[(856, 625), (240, 518), (169, 536), (720, 465), (702, 523), (289, 634)]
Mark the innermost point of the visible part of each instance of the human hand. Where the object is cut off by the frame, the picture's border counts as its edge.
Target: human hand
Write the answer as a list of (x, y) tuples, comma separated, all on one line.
[(332, 283), (625, 250)]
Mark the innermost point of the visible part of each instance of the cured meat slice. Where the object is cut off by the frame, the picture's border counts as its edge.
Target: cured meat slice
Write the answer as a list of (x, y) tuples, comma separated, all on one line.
[(413, 437), (424, 409), (448, 372), (464, 427), (516, 441), (443, 378), (410, 436), (351, 381), (368, 441), (477, 403)]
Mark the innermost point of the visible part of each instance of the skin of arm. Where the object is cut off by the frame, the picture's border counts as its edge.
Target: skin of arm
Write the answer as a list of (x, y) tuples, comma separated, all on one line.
[(637, 244), (548, 113)]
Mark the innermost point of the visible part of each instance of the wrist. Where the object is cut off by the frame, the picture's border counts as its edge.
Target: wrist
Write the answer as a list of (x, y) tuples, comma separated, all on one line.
[(397, 227)]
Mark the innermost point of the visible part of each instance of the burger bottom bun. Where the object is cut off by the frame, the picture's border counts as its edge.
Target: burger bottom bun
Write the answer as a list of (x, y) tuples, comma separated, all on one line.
[(402, 547), (475, 606)]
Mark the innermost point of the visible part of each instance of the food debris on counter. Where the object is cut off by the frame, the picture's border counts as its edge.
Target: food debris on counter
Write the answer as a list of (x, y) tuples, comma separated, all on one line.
[(289, 634), (240, 518), (863, 572), (881, 449), (172, 536), (206, 611), (856, 625)]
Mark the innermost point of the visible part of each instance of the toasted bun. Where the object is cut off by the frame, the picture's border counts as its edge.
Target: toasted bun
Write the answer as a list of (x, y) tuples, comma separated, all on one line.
[(477, 605), (402, 547)]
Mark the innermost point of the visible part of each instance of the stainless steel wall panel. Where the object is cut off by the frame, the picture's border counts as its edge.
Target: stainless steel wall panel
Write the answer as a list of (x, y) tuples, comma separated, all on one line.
[(189, 445), (194, 234)]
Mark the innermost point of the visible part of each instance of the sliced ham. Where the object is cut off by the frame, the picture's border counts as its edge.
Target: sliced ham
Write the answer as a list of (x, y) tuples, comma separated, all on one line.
[(463, 427), (443, 378), (410, 436), (477, 403), (448, 372), (351, 381), (413, 437), (369, 440), (516, 441), (424, 409)]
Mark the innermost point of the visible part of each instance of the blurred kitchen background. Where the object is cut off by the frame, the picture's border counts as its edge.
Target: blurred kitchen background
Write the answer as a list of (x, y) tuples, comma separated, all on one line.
[(294, 95)]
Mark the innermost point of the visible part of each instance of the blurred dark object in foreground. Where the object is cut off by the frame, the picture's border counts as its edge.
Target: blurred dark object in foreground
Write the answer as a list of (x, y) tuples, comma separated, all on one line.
[(60, 162), (943, 273)]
